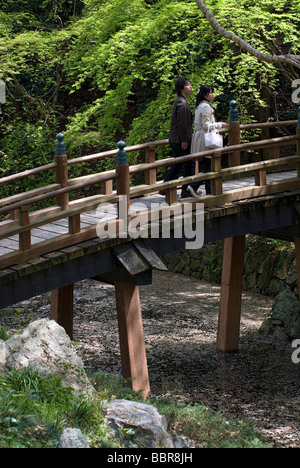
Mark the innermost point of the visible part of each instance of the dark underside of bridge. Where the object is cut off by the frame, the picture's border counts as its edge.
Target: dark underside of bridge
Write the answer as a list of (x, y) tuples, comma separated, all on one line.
[(132, 261)]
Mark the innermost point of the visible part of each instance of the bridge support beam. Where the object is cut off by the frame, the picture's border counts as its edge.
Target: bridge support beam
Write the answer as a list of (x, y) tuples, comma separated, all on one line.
[(62, 307), (132, 343), (231, 294)]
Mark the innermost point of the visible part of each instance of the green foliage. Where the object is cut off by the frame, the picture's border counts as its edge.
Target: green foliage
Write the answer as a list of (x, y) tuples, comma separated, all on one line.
[(196, 422), (211, 430), (35, 409), (103, 70)]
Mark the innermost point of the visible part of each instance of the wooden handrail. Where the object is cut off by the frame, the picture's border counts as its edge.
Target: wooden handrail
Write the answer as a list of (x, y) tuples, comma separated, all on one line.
[(226, 150), (55, 193), (140, 147), (24, 222), (102, 177), (27, 173), (277, 124)]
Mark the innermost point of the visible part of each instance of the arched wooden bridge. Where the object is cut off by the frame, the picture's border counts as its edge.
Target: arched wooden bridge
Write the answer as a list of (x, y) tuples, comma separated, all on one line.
[(51, 249)]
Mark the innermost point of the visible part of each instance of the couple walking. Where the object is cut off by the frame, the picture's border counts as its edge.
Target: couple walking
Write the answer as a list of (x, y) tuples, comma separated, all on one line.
[(183, 140)]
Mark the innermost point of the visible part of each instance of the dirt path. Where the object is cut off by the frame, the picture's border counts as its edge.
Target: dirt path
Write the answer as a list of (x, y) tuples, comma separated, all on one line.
[(180, 321)]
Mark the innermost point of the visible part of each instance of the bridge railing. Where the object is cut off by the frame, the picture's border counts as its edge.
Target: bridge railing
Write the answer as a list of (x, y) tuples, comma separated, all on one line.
[(23, 221)]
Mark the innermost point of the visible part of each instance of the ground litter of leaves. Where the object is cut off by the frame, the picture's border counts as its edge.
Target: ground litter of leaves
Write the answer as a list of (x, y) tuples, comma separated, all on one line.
[(180, 316)]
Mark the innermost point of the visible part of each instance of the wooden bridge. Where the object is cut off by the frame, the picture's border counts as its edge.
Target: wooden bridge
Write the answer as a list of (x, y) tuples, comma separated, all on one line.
[(255, 189)]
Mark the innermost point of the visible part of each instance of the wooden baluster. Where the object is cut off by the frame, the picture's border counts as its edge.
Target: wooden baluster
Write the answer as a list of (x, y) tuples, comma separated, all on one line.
[(150, 174), (216, 166), (234, 159), (261, 177), (275, 153), (24, 237), (123, 188), (61, 160), (107, 187), (171, 196), (74, 224)]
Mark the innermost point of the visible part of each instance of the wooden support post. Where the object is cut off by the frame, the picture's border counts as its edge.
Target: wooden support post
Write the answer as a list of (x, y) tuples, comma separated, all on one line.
[(297, 252), (234, 159), (62, 307), (150, 174), (231, 294), (132, 344), (61, 160)]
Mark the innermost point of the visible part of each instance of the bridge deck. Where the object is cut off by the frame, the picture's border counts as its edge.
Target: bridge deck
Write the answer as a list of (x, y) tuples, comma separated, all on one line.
[(91, 218)]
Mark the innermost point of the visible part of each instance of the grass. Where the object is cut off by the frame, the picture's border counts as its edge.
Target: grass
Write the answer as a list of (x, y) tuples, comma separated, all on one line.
[(35, 409)]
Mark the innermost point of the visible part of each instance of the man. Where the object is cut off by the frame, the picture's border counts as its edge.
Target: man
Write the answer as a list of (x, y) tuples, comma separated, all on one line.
[(180, 136)]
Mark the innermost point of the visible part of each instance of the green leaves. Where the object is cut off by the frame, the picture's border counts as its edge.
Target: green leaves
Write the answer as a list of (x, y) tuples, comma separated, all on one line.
[(109, 73)]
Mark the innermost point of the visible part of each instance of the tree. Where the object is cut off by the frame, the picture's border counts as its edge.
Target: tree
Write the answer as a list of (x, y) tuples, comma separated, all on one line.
[(290, 59), (108, 72)]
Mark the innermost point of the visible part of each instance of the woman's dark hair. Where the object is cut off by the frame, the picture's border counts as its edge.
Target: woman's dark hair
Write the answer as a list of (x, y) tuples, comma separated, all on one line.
[(203, 91), (180, 84)]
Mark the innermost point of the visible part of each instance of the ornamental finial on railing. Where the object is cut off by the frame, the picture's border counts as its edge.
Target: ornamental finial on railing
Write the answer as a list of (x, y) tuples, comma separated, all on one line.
[(121, 154), (60, 145), (233, 113)]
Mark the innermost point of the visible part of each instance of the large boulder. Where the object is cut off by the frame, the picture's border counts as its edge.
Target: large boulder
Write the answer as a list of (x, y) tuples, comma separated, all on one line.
[(46, 348)]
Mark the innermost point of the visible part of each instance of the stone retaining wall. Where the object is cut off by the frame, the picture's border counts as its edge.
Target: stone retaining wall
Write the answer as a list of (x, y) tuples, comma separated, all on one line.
[(267, 264)]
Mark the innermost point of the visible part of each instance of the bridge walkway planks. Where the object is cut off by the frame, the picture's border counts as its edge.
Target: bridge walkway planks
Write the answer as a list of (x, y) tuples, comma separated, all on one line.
[(50, 231)]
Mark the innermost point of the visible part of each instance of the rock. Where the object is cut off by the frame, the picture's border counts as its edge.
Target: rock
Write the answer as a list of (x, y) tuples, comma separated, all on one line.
[(286, 308), (46, 347), (73, 438), (292, 276), (137, 423), (3, 354), (284, 320)]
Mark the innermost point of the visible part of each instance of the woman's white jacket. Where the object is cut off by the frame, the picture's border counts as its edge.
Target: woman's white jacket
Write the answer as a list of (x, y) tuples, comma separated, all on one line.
[(204, 117)]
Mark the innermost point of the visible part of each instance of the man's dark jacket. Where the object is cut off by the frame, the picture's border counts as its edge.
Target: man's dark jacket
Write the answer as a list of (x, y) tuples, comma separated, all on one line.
[(181, 123)]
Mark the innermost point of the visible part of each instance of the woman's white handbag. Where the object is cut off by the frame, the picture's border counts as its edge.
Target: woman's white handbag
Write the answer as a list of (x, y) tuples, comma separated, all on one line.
[(213, 139)]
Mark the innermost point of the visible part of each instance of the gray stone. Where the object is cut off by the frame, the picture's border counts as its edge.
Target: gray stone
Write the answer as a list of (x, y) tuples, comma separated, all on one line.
[(294, 331), (3, 354), (137, 423), (292, 276), (73, 438), (286, 308), (46, 348)]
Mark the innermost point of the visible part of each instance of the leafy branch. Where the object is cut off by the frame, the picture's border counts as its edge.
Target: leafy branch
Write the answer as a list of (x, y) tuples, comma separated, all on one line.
[(290, 59)]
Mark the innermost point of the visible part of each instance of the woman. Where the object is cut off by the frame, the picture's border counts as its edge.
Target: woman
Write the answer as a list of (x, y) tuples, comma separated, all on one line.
[(204, 117)]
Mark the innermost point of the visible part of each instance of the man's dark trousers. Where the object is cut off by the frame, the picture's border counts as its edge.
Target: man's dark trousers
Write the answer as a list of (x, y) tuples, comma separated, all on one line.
[(186, 168)]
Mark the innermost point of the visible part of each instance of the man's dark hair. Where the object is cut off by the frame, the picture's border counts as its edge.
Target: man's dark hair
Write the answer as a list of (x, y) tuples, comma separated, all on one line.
[(180, 84)]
